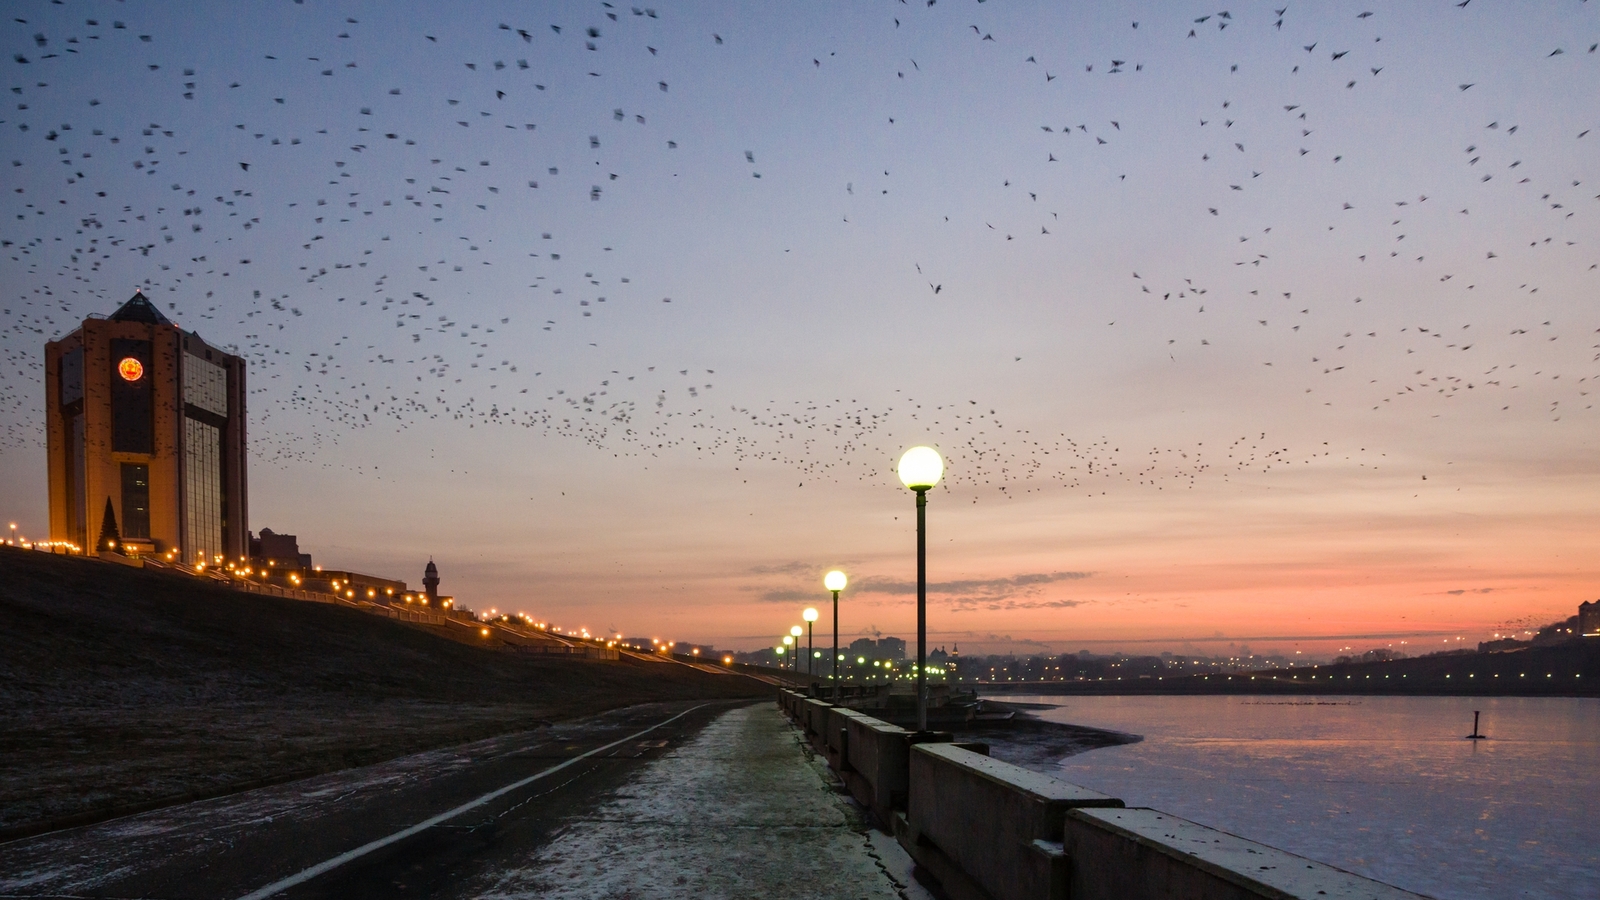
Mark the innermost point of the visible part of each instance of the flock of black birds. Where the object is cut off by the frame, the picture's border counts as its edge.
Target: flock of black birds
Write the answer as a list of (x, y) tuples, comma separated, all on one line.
[(299, 169)]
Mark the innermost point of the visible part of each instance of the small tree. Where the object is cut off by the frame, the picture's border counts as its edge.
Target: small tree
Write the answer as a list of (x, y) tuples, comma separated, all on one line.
[(110, 537)]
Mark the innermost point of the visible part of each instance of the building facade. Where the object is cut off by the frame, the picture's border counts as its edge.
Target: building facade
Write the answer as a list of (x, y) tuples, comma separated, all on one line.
[(276, 551), (146, 438), (1589, 618)]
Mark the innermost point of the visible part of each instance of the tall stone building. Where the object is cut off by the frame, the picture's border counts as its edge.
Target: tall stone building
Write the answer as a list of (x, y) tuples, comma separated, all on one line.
[(146, 438)]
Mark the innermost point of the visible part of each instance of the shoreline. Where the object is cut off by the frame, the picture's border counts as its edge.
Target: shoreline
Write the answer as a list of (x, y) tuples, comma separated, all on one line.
[(1039, 744), (1570, 669)]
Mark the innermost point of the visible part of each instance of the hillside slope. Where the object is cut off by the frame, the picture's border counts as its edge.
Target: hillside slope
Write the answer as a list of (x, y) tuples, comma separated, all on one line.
[(122, 688)]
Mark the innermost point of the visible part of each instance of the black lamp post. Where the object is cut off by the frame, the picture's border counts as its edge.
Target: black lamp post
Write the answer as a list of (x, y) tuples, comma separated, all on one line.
[(794, 632), (835, 581), (920, 469), (810, 615)]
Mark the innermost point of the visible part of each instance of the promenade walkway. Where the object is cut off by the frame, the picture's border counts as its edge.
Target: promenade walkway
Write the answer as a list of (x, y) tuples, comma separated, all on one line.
[(743, 810)]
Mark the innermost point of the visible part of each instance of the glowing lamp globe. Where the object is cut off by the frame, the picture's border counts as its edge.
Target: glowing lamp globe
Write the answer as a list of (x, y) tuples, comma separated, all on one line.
[(921, 468), (810, 615), (787, 640), (796, 630), (834, 581)]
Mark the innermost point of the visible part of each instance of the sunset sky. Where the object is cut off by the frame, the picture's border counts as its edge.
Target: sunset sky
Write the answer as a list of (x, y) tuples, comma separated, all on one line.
[(1235, 327)]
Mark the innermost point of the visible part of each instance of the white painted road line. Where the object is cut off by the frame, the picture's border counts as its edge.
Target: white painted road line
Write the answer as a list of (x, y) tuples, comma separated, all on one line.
[(307, 874)]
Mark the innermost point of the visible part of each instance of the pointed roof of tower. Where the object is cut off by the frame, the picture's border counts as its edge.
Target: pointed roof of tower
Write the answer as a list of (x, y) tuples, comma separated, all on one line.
[(139, 309)]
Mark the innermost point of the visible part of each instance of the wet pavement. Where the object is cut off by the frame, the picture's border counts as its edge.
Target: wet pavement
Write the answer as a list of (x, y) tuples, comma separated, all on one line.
[(663, 800), (743, 810)]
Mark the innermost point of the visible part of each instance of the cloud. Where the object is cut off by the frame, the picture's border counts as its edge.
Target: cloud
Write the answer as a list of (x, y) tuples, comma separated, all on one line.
[(965, 605), (1458, 591), (969, 594), (1015, 593), (973, 591), (788, 568), (1008, 639), (784, 596)]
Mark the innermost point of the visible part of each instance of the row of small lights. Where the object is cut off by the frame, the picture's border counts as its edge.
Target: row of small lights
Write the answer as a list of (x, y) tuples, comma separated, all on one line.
[(340, 588), (582, 633), (22, 541), (834, 581), (886, 665), (48, 546)]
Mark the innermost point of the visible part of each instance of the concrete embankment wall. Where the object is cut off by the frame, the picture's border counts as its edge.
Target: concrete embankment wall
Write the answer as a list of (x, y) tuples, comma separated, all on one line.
[(989, 830)]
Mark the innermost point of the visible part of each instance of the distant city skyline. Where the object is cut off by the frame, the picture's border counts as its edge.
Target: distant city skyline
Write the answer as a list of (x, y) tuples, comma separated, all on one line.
[(1233, 328)]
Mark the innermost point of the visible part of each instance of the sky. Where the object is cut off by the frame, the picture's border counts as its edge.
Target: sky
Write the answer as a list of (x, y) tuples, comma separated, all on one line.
[(1267, 326)]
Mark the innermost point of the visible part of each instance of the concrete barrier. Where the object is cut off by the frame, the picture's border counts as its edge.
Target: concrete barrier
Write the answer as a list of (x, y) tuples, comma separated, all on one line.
[(987, 828), (814, 720), (876, 764), (1146, 854), (835, 740)]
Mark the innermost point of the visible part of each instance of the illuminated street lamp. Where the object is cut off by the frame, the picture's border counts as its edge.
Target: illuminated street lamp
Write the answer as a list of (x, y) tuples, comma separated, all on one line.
[(810, 615), (835, 581), (794, 632), (920, 469)]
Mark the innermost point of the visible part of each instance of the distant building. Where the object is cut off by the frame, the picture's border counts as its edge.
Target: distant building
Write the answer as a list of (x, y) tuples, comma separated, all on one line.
[(1382, 654), (430, 581), (766, 656), (889, 648), (864, 648), (278, 551), (430, 595), (145, 430), (1589, 619)]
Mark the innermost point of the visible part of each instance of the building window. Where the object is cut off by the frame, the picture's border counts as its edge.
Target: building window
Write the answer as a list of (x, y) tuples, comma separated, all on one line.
[(132, 402), (135, 500), (76, 475), (202, 475), (205, 385), (72, 376)]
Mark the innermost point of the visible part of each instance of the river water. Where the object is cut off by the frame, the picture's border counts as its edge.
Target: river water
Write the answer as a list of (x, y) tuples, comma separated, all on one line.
[(1383, 786)]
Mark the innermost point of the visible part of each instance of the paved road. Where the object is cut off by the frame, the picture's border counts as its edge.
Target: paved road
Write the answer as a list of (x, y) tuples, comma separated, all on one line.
[(743, 810), (659, 800), (230, 847)]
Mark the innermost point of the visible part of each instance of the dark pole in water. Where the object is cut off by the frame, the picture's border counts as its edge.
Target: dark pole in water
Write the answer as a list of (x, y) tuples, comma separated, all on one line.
[(1475, 724)]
